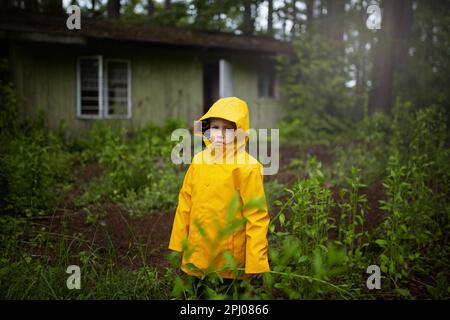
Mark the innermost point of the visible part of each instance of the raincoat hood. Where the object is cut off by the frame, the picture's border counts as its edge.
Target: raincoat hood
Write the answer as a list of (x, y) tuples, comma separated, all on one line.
[(232, 109)]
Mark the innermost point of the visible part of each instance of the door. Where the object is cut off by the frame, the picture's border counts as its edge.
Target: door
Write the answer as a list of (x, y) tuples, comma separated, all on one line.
[(217, 82)]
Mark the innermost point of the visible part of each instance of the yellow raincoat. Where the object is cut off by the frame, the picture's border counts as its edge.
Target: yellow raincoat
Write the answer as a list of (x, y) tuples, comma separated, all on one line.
[(203, 202)]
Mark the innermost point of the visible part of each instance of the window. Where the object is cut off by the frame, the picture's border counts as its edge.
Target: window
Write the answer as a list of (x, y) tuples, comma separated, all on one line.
[(266, 83), (89, 86), (104, 88), (117, 99)]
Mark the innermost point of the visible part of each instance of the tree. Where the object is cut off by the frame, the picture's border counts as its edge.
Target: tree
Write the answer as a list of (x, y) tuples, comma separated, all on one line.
[(335, 19), (93, 6), (423, 74), (52, 6), (150, 8), (270, 17), (167, 5), (113, 8), (309, 14), (389, 49), (248, 25), (313, 83), (294, 18)]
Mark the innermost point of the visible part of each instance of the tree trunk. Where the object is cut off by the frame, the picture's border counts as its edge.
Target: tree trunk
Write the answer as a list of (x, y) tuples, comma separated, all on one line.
[(248, 25), (403, 33), (390, 49), (167, 5), (335, 19), (285, 13), (113, 8), (294, 18), (309, 14), (270, 17), (150, 8)]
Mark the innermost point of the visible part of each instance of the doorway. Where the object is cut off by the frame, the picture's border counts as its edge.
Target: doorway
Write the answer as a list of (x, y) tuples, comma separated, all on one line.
[(210, 84), (217, 82)]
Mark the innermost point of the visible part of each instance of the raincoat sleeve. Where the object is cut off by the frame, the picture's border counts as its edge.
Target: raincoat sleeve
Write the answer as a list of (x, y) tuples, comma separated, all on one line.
[(251, 186), (180, 228)]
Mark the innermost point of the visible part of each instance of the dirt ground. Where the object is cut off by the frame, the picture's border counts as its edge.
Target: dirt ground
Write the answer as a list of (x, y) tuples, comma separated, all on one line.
[(137, 242)]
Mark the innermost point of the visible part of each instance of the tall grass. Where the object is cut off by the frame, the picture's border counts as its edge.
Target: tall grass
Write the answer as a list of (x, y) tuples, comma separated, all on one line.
[(319, 247)]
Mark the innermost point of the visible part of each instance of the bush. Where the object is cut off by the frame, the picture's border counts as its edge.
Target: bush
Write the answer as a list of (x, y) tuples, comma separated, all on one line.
[(134, 172), (366, 148), (415, 232), (35, 168)]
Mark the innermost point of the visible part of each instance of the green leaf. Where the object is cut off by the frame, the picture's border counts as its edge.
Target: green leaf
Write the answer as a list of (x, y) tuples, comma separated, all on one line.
[(282, 219), (382, 243)]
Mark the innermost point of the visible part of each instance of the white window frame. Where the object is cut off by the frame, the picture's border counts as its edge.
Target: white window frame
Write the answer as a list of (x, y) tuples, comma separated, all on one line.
[(106, 111), (102, 89)]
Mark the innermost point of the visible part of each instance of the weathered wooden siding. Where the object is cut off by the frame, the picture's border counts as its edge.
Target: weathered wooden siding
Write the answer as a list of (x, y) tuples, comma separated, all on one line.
[(165, 83), (264, 112)]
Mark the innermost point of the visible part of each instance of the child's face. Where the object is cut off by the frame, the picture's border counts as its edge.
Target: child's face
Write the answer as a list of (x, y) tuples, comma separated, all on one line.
[(221, 131)]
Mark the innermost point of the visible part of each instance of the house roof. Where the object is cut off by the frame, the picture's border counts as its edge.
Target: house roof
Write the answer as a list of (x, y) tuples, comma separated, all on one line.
[(101, 28)]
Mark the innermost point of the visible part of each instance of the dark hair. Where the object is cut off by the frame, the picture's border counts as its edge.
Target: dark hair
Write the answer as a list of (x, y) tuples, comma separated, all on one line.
[(205, 128)]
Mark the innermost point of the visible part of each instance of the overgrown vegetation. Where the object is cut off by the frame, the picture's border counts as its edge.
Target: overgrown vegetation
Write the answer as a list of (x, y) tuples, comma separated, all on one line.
[(320, 243), (135, 173), (381, 200)]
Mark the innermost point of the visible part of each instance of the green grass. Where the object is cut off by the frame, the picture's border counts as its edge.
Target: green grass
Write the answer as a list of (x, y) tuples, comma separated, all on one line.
[(319, 245)]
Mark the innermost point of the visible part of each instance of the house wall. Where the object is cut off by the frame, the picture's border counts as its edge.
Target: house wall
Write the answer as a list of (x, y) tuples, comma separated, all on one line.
[(265, 112), (166, 82)]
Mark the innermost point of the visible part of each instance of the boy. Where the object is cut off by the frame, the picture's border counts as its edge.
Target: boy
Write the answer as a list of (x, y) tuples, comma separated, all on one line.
[(223, 170)]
